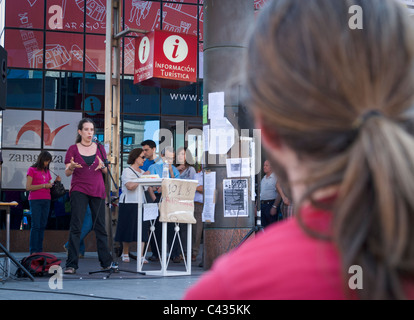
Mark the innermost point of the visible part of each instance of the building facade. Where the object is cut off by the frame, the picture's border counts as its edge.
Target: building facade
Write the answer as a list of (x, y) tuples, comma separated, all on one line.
[(56, 72)]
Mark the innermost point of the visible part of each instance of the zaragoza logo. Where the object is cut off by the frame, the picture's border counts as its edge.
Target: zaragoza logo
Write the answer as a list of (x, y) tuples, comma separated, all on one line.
[(36, 126)]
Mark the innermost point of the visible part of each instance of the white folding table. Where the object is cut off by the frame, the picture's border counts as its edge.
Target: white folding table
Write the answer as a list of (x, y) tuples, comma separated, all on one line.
[(142, 183)]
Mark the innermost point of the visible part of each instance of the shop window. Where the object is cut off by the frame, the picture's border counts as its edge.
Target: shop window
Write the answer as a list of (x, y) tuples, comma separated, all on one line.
[(24, 88), (182, 101), (181, 18), (64, 51), (94, 102), (24, 48), (95, 54), (63, 90), (140, 99), (136, 129), (25, 14), (144, 15), (95, 16)]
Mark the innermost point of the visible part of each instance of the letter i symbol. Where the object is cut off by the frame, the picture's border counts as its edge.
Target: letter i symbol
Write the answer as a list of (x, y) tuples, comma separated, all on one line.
[(143, 51), (175, 55)]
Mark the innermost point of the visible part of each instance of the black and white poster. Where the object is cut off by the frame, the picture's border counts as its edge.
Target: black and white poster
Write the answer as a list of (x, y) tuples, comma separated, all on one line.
[(235, 197)]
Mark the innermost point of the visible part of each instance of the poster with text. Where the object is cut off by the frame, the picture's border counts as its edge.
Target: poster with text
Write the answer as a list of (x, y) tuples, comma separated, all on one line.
[(235, 196)]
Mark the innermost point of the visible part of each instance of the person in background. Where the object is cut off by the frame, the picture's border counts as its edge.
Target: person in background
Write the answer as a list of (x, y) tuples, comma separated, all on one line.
[(39, 182), (197, 231), (84, 162), (126, 231), (185, 166), (185, 163), (149, 147), (269, 197), (336, 117), (167, 156), (286, 205)]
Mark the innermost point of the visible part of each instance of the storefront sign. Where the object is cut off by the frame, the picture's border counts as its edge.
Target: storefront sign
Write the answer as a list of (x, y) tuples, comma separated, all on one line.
[(165, 59), (17, 162)]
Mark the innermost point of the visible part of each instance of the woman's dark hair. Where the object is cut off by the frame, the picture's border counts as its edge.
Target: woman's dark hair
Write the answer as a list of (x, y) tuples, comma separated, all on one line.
[(80, 127), (40, 162), (311, 80), (189, 159), (134, 154)]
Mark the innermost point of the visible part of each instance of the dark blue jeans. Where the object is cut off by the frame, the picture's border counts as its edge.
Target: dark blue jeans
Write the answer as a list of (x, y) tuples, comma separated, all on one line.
[(40, 213)]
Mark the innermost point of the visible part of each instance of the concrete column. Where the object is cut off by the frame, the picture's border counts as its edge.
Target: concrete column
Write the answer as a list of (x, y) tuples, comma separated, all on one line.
[(225, 28)]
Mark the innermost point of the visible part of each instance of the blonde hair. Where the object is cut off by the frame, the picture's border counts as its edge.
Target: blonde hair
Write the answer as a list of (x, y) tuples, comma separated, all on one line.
[(315, 83)]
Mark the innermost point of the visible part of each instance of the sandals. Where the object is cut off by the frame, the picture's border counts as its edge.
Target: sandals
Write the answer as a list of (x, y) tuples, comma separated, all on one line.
[(69, 270), (125, 257)]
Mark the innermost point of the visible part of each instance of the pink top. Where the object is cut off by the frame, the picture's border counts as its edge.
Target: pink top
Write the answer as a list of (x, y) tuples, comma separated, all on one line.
[(39, 177), (86, 179), (281, 263)]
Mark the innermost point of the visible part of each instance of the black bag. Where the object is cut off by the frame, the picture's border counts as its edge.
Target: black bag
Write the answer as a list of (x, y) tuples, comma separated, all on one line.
[(57, 190)]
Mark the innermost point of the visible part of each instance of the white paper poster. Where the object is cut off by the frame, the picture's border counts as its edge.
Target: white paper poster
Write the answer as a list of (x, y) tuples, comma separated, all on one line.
[(235, 197), (221, 136), (216, 105), (209, 196), (238, 167), (150, 211), (206, 133)]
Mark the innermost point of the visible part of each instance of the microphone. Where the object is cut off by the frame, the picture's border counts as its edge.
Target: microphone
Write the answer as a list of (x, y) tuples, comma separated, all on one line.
[(105, 160)]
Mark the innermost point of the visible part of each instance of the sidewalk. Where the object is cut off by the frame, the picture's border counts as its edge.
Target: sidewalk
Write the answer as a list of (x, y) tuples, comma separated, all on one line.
[(83, 286)]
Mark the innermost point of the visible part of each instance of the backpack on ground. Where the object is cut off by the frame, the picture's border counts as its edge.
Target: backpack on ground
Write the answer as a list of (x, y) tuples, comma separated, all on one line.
[(38, 264)]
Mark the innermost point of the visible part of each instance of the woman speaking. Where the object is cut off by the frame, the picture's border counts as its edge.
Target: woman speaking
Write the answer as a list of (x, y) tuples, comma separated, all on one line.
[(84, 163)]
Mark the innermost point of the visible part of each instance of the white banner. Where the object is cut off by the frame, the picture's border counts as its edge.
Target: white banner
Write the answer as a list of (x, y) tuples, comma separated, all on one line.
[(17, 162), (23, 129)]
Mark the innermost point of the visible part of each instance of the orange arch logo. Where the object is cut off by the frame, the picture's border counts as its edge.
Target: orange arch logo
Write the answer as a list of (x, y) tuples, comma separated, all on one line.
[(36, 126)]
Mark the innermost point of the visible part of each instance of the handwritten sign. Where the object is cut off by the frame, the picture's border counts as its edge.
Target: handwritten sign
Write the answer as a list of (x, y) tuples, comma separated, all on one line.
[(177, 204)]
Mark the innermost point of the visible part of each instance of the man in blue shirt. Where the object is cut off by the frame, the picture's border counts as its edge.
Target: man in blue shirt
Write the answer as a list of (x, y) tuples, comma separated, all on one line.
[(167, 156), (149, 147)]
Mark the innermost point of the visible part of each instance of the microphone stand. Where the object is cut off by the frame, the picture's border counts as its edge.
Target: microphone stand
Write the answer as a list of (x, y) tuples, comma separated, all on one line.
[(114, 267)]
